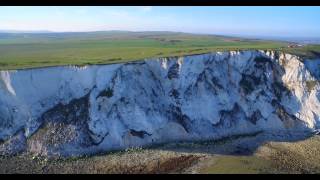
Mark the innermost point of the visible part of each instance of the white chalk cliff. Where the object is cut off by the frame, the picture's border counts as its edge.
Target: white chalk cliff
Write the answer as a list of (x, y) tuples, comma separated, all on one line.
[(72, 110)]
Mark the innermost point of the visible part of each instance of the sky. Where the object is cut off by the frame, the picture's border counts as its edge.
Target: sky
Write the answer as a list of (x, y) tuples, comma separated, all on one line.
[(246, 21)]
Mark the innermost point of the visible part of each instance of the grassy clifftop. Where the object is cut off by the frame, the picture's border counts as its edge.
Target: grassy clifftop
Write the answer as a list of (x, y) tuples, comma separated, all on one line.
[(51, 49)]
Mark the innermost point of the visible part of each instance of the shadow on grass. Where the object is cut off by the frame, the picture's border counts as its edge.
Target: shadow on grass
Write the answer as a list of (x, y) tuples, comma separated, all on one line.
[(237, 145)]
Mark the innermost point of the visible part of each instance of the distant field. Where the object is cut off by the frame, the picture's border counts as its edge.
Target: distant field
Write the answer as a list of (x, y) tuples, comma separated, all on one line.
[(40, 50)]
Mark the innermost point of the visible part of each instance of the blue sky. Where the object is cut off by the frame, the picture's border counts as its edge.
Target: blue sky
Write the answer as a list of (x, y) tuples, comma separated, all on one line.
[(248, 21)]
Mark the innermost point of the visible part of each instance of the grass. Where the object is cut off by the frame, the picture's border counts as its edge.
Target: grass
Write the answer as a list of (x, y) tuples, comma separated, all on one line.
[(301, 156), (309, 51), (238, 165), (271, 157), (19, 51)]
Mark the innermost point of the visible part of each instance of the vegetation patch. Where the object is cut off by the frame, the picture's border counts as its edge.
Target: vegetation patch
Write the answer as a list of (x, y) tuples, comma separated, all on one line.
[(238, 165), (310, 85), (301, 156)]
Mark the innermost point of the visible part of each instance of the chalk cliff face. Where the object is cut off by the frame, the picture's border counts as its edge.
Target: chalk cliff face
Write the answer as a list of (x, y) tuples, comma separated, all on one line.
[(83, 110)]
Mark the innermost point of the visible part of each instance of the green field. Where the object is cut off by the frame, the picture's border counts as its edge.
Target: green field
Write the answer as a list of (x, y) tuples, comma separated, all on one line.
[(19, 51), (310, 51)]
